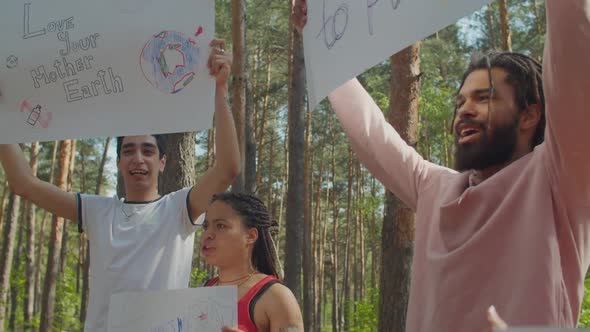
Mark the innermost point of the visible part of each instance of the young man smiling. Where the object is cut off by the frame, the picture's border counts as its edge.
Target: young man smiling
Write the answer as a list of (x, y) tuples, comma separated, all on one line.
[(144, 241), (510, 227)]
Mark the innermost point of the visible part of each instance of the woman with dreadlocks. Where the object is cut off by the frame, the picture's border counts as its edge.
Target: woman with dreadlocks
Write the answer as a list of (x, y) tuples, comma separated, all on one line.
[(237, 239), (509, 227)]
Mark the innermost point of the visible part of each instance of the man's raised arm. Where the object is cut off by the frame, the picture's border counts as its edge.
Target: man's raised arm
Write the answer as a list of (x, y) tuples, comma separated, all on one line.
[(378, 146), (24, 183), (566, 79)]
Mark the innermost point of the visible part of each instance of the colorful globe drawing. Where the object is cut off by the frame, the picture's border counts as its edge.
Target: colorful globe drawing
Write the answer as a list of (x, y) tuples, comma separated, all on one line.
[(170, 61)]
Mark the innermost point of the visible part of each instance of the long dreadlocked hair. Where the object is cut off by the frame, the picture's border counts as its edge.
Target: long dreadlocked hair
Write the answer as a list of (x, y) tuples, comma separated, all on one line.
[(255, 215), (525, 75)]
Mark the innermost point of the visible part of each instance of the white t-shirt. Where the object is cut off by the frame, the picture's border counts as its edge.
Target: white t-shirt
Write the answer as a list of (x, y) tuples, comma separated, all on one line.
[(135, 246)]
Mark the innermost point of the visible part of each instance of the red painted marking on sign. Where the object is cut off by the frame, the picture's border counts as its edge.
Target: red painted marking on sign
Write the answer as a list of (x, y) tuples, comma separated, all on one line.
[(25, 105), (47, 121), (199, 31)]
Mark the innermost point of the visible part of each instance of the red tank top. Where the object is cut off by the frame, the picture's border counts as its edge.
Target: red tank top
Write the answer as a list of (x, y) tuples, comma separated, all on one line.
[(248, 301)]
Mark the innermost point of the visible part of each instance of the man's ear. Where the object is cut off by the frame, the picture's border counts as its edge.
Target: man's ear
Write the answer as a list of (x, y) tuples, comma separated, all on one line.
[(162, 163), (531, 117)]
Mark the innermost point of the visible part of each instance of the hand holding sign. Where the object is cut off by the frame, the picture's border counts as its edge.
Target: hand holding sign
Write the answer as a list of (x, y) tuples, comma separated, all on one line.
[(219, 62), (299, 15), (342, 38)]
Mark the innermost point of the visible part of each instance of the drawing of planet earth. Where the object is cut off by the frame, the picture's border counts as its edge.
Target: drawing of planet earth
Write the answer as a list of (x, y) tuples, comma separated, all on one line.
[(170, 61)]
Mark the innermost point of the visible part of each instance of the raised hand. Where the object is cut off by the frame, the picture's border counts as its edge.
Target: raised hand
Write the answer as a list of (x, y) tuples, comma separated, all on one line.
[(219, 62), (299, 15)]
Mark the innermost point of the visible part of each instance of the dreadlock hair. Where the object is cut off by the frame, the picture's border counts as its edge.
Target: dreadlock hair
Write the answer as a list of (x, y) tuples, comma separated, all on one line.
[(160, 142), (254, 214), (525, 75)]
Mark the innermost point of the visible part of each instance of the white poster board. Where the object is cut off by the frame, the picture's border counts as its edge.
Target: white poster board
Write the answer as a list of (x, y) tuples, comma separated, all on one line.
[(203, 309), (87, 68), (343, 38)]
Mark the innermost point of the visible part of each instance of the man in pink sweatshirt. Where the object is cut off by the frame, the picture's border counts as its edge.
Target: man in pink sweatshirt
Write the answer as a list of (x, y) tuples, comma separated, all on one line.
[(510, 227)]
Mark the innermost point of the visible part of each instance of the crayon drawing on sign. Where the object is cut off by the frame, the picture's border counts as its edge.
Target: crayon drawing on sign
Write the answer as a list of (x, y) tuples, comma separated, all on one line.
[(343, 38), (35, 114), (170, 61), (200, 309)]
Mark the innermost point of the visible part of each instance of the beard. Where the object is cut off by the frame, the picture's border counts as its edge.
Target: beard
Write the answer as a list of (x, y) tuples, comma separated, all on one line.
[(495, 147)]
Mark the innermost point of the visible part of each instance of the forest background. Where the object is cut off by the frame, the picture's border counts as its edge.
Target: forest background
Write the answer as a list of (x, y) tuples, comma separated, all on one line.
[(345, 243)]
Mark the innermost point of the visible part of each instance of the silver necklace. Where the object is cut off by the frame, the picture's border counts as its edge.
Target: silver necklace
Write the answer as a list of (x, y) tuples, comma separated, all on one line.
[(127, 216)]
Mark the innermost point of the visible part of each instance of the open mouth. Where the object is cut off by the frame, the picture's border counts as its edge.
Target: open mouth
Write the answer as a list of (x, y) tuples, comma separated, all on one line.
[(468, 135), (138, 172), (207, 250)]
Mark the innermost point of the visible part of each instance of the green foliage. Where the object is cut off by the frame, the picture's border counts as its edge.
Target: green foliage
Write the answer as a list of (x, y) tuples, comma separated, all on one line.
[(198, 278), (364, 316), (67, 305), (443, 61), (376, 82), (585, 312), (527, 29), (89, 151)]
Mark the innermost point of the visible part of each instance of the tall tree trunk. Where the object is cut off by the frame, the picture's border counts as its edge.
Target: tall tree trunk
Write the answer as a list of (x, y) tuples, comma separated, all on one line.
[(398, 223), (3, 202), (41, 235), (313, 236), (180, 163), (254, 83), (361, 224), (49, 289), (284, 187), (6, 255), (14, 278), (538, 21), (250, 142), (271, 160), (296, 189), (506, 35), (319, 245), (29, 297), (345, 295), (323, 266), (491, 25), (261, 134), (374, 239), (308, 282), (103, 160), (85, 281), (82, 241), (335, 289), (240, 79), (81, 237)]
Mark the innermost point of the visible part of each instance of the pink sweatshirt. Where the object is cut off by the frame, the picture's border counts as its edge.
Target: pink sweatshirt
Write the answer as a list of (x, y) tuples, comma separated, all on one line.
[(519, 240)]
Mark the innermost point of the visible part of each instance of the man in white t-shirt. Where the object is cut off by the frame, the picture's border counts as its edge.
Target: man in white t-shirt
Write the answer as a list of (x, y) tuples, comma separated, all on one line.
[(142, 241)]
